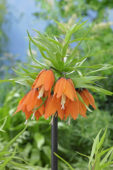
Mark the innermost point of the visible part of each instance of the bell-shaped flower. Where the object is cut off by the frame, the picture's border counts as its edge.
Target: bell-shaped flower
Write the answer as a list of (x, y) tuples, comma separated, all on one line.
[(64, 100), (30, 104), (44, 82), (87, 97)]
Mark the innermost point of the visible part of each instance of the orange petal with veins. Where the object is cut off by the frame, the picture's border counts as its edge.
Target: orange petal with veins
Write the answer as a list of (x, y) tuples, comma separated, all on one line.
[(42, 73), (72, 108), (82, 109), (89, 98), (50, 107), (85, 99), (49, 80), (59, 87)]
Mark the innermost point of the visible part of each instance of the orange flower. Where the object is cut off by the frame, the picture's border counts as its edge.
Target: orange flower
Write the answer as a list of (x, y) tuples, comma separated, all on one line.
[(64, 88), (30, 102), (87, 98), (52, 106), (44, 81), (64, 101), (82, 109)]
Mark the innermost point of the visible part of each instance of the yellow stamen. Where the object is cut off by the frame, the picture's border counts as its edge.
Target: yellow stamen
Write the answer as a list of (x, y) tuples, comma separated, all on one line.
[(63, 101), (32, 118), (41, 92)]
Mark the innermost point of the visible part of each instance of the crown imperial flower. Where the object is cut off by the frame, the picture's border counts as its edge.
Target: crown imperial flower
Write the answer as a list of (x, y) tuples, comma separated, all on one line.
[(30, 102), (44, 82), (87, 98), (63, 101)]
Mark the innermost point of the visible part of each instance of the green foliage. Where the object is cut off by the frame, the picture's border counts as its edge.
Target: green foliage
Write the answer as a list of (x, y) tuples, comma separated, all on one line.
[(31, 143), (87, 51), (99, 158), (58, 55), (9, 156)]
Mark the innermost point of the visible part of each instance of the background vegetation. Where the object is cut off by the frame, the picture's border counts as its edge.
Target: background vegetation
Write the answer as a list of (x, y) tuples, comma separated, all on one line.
[(31, 148)]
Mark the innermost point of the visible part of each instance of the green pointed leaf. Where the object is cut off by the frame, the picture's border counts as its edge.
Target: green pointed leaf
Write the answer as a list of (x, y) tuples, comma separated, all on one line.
[(70, 167), (93, 152)]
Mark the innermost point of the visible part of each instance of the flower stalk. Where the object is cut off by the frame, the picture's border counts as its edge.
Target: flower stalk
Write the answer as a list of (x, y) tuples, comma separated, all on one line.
[(54, 143)]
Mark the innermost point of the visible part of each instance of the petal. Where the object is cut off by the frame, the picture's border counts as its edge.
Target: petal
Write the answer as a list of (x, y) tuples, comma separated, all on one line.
[(69, 91), (27, 114), (59, 87), (85, 99), (89, 98), (49, 80), (40, 79), (23, 101), (41, 109), (37, 115), (82, 109), (59, 110), (40, 106), (74, 91), (72, 108), (35, 82), (33, 100), (61, 114), (50, 107)]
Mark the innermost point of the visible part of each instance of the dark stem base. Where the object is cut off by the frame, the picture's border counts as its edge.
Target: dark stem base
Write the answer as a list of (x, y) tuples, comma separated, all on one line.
[(54, 143)]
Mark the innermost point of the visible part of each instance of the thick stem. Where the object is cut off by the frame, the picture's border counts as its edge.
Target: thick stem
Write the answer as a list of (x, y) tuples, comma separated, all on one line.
[(54, 143)]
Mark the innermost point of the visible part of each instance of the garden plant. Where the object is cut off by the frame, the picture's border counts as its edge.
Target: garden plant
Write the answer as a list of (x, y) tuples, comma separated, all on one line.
[(60, 81)]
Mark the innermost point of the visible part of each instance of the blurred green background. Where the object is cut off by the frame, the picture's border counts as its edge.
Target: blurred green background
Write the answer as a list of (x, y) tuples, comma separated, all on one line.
[(33, 146)]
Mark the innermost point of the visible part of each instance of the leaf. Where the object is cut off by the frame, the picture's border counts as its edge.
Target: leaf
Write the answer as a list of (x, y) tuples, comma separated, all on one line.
[(102, 140), (9, 80), (105, 159), (106, 165), (104, 67), (71, 58), (98, 89), (47, 151), (64, 161), (40, 140), (14, 139), (93, 152), (2, 126), (79, 81), (83, 155), (69, 33), (61, 25), (3, 165), (56, 42), (73, 29), (78, 39), (36, 61)]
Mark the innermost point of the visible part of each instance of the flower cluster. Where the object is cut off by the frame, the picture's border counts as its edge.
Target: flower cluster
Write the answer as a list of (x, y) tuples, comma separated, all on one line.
[(62, 99)]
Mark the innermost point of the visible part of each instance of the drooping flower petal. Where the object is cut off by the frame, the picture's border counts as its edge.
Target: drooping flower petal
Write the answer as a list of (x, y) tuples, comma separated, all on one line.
[(30, 102), (53, 105), (88, 98), (50, 107), (45, 78), (72, 108), (59, 87), (82, 109), (39, 79), (37, 115), (65, 86)]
